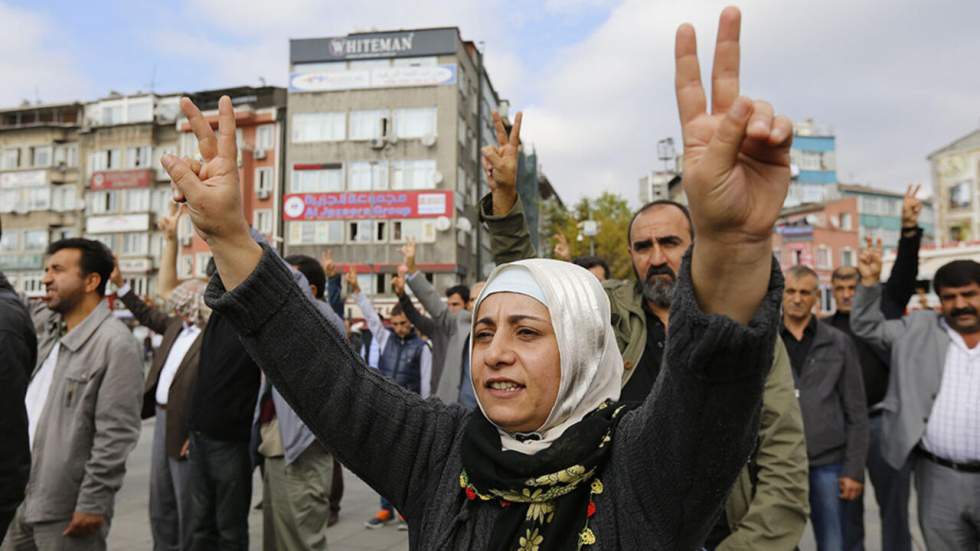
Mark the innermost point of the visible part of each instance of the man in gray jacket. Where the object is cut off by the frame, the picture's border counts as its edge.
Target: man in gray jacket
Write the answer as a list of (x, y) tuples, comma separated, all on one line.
[(448, 327), (932, 408), (83, 405), (831, 393), (298, 469)]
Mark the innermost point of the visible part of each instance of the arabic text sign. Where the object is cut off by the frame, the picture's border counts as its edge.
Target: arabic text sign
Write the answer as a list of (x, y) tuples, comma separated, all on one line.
[(368, 204)]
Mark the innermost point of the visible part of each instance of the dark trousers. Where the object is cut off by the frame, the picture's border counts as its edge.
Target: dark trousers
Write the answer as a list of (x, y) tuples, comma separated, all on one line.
[(221, 493), (826, 507), (891, 489)]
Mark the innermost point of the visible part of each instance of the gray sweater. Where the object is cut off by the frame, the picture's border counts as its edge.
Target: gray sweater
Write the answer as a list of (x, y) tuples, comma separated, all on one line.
[(673, 459)]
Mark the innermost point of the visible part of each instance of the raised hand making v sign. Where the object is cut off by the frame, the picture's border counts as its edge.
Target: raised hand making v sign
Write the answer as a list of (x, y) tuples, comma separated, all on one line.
[(500, 164), (736, 173), (211, 194)]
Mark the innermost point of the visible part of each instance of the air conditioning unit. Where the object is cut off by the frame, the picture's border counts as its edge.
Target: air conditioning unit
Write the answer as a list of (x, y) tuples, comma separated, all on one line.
[(378, 143), (429, 140), (186, 240), (259, 154), (262, 193)]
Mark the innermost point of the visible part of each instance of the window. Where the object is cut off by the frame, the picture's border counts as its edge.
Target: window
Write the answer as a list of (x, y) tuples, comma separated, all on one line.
[(185, 266), (10, 159), (415, 123), (318, 127), (368, 125), (316, 233), (160, 201), (263, 181), (188, 146), (461, 131), (9, 241), (262, 221), (265, 136), (185, 229), (112, 114), (64, 198), (136, 200), (138, 157), (32, 285), (201, 264), (114, 159), (319, 180), (847, 257), (823, 257), (135, 243), (67, 154), (35, 240), (38, 198), (360, 231), (422, 230), (141, 111), (158, 153), (98, 160), (413, 174), (41, 156), (845, 221), (368, 175), (102, 202)]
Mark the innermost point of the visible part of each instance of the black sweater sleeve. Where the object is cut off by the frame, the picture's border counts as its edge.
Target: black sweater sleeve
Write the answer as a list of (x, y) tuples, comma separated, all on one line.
[(19, 347), (389, 437), (696, 430), (901, 283)]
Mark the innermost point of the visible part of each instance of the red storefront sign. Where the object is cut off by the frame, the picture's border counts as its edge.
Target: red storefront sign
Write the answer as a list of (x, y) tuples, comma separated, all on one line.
[(121, 179), (368, 204)]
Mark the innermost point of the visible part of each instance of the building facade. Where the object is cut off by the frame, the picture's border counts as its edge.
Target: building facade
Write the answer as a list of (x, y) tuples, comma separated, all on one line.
[(956, 183), (126, 188), (40, 195), (880, 214), (813, 158), (260, 118), (384, 132)]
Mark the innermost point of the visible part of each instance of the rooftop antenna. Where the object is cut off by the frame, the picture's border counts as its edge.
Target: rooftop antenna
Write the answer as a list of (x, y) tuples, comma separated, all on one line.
[(262, 81), (153, 78), (37, 95)]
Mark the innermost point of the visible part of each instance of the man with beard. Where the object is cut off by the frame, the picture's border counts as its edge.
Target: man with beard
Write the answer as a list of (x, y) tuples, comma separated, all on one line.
[(83, 405), (767, 508), (932, 408)]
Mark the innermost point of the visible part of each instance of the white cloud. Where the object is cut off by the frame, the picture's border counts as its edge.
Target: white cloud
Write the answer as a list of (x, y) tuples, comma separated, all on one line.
[(31, 66), (893, 85)]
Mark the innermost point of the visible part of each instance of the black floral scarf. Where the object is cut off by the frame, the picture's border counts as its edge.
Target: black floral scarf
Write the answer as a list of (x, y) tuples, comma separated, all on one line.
[(548, 498)]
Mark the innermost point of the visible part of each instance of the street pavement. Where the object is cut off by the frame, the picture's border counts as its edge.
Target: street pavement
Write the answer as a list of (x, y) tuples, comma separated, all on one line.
[(131, 530)]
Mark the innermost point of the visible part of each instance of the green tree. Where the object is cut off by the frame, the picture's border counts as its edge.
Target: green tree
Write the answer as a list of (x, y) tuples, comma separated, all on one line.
[(610, 211)]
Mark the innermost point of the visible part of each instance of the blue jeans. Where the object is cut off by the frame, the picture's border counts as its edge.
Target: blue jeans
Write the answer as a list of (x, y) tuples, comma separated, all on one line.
[(891, 489), (826, 507), (221, 494)]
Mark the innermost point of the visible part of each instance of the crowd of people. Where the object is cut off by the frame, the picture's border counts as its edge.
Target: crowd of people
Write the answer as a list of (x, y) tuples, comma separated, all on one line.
[(700, 404)]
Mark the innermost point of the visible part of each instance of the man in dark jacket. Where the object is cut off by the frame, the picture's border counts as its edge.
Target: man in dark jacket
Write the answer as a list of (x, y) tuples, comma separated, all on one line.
[(835, 422), (891, 486), (19, 345)]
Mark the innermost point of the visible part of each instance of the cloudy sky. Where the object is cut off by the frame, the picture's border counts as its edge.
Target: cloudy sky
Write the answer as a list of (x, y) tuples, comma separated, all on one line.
[(896, 80)]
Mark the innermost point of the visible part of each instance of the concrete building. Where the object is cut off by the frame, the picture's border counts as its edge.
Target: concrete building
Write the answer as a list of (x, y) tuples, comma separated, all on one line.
[(880, 213), (384, 136), (813, 159), (39, 187), (820, 235), (955, 182), (122, 140), (260, 118)]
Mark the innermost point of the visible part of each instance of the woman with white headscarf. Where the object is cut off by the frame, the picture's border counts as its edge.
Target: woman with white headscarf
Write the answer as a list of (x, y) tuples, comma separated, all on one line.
[(550, 460)]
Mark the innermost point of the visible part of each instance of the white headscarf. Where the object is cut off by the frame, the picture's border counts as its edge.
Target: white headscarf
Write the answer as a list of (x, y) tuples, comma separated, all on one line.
[(591, 365)]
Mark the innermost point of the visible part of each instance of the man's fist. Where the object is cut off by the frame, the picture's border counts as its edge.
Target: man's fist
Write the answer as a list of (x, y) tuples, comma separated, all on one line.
[(398, 285), (83, 524), (850, 489)]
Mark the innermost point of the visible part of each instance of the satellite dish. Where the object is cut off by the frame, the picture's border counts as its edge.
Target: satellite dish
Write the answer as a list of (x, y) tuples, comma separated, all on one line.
[(437, 177), (463, 223), (443, 223), (429, 140)]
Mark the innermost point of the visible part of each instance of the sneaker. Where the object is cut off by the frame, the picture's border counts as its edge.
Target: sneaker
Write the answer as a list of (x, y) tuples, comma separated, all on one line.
[(402, 524), (381, 518)]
